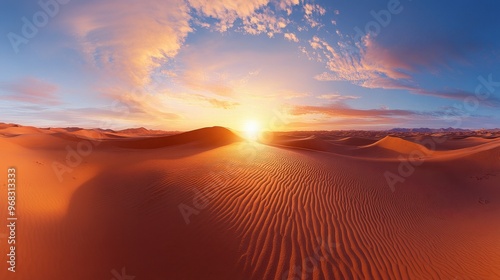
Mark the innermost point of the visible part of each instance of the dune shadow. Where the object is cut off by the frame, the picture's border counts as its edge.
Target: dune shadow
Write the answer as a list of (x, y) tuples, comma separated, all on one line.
[(132, 220)]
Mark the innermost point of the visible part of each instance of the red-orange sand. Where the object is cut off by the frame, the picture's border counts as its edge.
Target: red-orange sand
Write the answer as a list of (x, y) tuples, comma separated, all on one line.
[(94, 204)]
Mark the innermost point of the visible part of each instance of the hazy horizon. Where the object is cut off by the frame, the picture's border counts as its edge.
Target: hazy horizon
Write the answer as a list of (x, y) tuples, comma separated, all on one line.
[(262, 130)]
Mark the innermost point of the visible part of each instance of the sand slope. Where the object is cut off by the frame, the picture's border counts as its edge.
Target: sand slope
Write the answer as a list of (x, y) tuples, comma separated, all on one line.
[(251, 211)]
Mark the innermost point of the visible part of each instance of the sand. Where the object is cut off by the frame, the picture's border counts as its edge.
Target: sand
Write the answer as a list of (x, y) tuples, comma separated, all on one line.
[(209, 205)]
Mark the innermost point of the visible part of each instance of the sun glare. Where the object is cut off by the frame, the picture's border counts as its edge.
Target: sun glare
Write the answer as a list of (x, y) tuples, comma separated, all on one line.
[(252, 129)]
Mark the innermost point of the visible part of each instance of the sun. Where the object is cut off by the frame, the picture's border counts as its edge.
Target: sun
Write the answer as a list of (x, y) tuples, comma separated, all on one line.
[(252, 130)]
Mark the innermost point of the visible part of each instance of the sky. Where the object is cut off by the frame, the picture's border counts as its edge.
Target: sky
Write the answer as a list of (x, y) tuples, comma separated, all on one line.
[(286, 64)]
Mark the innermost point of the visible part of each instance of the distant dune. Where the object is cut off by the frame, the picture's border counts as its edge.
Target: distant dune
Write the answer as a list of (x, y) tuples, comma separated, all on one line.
[(355, 141), (207, 204), (391, 146), (210, 136)]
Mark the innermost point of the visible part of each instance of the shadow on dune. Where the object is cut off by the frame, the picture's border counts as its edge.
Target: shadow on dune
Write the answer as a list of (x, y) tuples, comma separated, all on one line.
[(172, 146), (130, 218), (204, 137)]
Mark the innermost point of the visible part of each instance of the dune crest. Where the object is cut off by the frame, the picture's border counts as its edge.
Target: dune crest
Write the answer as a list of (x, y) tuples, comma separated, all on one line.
[(399, 145)]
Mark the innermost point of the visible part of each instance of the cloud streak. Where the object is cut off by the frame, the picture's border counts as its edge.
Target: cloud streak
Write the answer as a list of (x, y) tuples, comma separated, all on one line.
[(30, 90), (343, 111), (337, 97)]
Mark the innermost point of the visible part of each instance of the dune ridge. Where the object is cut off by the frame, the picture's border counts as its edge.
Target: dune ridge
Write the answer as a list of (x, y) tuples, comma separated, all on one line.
[(211, 136)]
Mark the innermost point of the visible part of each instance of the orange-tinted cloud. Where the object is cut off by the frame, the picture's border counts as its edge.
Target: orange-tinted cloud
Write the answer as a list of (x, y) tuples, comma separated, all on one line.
[(255, 15), (311, 11), (126, 38), (291, 37), (30, 90), (343, 111), (346, 123), (138, 106), (217, 103), (337, 97), (457, 94)]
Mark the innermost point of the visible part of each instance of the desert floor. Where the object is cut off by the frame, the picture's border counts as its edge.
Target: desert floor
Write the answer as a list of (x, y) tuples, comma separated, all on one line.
[(95, 204)]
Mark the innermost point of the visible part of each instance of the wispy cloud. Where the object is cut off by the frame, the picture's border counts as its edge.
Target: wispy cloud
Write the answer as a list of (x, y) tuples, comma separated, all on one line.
[(356, 63), (30, 90), (341, 110), (222, 103), (214, 102), (455, 94), (212, 80), (337, 97), (370, 65), (137, 106)]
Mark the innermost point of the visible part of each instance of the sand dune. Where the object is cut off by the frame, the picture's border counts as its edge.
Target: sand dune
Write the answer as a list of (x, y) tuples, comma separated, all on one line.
[(398, 145), (303, 208), (355, 141), (214, 136), (308, 143), (13, 130), (93, 134)]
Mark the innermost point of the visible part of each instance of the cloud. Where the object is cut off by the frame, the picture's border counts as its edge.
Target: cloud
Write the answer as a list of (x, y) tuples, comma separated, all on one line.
[(286, 5), (343, 111), (380, 61), (214, 102), (256, 15), (344, 61), (128, 39), (326, 76), (291, 37), (370, 65), (315, 43), (139, 105), (217, 103), (434, 46), (199, 80), (215, 67), (227, 10), (339, 115), (311, 11), (343, 115), (348, 124), (456, 94), (337, 97), (393, 60), (200, 77), (264, 22), (31, 90), (363, 63)]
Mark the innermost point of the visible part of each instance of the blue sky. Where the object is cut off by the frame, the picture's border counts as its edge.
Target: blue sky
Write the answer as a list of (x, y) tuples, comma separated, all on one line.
[(314, 65)]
